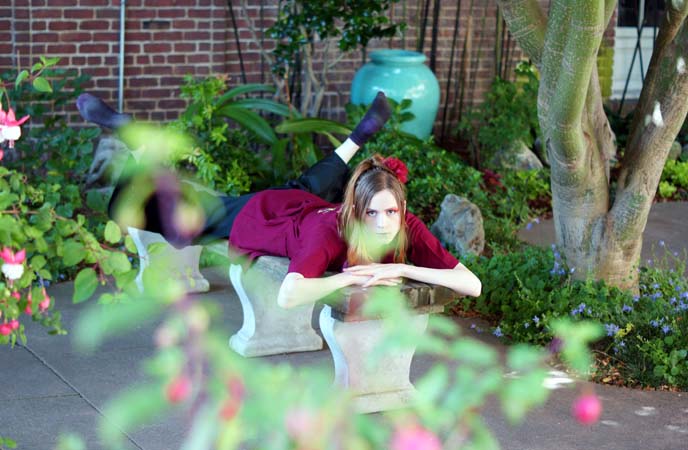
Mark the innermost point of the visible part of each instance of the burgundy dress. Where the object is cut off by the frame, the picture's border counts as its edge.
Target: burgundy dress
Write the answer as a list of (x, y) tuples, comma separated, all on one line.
[(303, 227)]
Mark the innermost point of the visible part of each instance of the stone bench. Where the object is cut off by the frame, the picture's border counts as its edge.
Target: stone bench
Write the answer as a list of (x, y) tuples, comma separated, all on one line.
[(183, 263), (269, 329), (352, 337)]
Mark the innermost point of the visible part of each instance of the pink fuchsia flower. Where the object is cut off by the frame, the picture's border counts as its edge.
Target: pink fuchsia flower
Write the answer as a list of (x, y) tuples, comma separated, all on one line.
[(5, 328), (414, 437), (9, 126), (45, 303), (587, 409), (13, 267)]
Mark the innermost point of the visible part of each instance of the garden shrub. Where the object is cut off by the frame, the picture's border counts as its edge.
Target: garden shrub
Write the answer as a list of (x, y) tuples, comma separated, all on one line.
[(647, 334), (674, 181), (507, 114)]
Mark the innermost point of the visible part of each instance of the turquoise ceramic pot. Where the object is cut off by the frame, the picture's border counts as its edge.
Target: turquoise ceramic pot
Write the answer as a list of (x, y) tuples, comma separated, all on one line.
[(400, 74)]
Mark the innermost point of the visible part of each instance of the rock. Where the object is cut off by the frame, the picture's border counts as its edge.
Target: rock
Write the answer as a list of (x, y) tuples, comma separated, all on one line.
[(675, 151), (460, 225), (684, 153), (516, 156), (108, 162)]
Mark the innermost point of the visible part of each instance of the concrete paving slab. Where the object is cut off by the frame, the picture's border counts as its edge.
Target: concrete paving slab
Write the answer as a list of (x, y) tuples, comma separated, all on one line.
[(24, 377), (667, 223), (46, 389), (36, 423)]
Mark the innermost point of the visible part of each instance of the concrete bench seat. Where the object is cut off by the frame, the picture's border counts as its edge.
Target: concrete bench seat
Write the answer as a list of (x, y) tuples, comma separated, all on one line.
[(352, 337)]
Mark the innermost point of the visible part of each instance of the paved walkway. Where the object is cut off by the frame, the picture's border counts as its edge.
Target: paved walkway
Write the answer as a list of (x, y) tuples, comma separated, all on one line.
[(47, 388)]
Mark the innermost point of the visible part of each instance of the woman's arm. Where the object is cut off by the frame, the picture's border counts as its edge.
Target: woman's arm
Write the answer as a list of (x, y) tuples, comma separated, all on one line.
[(459, 279), (298, 290)]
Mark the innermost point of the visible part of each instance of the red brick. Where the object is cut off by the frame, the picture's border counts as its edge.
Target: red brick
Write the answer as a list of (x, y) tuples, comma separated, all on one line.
[(44, 14), (110, 13), (168, 36), (94, 48), (61, 3), (196, 35), (75, 37), (61, 49), (143, 82), (157, 48), (80, 13), (100, 25), (147, 13), (62, 25), (109, 37), (101, 3)]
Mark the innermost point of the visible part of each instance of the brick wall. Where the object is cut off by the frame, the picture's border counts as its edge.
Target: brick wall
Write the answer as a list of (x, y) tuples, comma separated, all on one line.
[(168, 39)]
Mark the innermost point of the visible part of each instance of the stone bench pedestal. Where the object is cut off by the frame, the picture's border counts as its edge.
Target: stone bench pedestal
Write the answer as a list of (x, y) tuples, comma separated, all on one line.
[(269, 329), (352, 338), (183, 263)]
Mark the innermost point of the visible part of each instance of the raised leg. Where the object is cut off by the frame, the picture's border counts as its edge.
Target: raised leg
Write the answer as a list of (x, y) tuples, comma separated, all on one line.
[(378, 385), (183, 263), (269, 329)]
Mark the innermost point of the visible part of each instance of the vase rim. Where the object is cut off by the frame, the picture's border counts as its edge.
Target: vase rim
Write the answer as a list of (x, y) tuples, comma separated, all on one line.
[(397, 56)]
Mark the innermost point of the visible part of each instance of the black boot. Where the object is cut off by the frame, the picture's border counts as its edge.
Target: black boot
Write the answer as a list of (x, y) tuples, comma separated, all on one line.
[(97, 111), (373, 121)]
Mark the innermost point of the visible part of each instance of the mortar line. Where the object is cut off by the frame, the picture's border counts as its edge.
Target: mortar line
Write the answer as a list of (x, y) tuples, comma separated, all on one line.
[(78, 392)]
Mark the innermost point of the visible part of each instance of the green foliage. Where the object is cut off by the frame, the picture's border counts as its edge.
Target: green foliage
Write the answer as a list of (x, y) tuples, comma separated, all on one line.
[(352, 23), (674, 181), (222, 156), (42, 211), (526, 293), (508, 114), (244, 403)]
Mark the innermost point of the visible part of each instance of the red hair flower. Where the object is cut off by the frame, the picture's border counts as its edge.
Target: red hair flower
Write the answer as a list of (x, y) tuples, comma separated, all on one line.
[(398, 167)]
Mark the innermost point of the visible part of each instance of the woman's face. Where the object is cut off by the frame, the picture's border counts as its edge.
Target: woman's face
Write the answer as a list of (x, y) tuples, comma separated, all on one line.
[(382, 217)]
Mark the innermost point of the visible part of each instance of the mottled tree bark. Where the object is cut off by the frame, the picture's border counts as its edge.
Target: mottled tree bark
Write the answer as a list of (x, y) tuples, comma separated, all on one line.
[(599, 238)]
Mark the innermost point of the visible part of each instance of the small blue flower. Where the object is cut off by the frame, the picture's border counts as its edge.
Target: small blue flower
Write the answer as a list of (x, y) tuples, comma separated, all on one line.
[(536, 319), (655, 286), (498, 332), (666, 329), (526, 325), (536, 220), (626, 309), (529, 226), (655, 323), (472, 326), (611, 328), (661, 243), (636, 298), (573, 269), (672, 301), (656, 296)]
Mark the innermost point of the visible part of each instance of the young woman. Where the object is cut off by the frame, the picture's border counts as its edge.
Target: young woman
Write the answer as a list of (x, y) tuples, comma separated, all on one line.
[(368, 239)]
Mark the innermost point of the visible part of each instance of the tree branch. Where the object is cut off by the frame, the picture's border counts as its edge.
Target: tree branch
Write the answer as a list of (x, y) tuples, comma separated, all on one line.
[(527, 23), (658, 118)]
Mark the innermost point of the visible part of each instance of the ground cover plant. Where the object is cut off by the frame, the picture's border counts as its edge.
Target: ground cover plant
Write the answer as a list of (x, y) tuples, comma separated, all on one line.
[(645, 334)]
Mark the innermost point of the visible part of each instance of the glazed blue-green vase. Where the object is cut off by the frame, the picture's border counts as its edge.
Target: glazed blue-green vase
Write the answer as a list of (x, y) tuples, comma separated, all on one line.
[(400, 74)]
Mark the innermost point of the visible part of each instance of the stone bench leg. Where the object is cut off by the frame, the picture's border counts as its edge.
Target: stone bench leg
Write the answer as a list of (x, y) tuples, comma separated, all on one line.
[(269, 329), (183, 263), (376, 387)]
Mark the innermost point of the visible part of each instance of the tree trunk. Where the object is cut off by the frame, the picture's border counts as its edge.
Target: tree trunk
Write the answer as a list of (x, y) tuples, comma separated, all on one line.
[(599, 239)]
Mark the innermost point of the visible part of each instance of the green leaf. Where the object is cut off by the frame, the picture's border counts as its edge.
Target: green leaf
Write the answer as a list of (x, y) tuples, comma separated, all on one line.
[(130, 245), (85, 285), (116, 262), (38, 262), (312, 126), (73, 252), (243, 89), (23, 75), (113, 234), (251, 121), (42, 85), (523, 357), (264, 104)]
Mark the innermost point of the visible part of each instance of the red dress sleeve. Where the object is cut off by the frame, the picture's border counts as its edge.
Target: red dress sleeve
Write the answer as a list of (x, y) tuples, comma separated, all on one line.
[(424, 249)]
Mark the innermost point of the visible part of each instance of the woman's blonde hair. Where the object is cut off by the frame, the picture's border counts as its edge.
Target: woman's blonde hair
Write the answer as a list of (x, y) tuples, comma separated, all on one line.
[(370, 177)]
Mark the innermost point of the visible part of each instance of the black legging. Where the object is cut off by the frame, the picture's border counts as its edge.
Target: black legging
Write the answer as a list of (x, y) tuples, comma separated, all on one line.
[(327, 179)]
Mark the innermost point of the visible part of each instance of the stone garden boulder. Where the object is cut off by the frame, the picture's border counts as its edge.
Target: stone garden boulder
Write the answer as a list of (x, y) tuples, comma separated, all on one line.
[(460, 225), (516, 156)]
